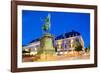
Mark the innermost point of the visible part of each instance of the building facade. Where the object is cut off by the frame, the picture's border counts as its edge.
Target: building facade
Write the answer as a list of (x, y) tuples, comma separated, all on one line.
[(62, 43)]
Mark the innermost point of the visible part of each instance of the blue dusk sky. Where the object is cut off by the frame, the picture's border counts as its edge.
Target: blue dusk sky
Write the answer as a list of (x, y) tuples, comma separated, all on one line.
[(61, 22)]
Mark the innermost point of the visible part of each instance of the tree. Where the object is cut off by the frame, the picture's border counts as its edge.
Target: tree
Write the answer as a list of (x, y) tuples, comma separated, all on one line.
[(78, 46), (88, 49)]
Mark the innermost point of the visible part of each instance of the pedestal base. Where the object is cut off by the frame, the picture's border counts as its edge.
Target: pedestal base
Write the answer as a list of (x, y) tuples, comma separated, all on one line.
[(46, 51)]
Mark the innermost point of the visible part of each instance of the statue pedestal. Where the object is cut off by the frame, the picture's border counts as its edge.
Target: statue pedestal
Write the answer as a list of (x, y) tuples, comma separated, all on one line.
[(46, 51)]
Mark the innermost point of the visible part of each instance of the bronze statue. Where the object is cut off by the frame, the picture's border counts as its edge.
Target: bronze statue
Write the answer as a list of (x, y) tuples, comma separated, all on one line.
[(46, 26)]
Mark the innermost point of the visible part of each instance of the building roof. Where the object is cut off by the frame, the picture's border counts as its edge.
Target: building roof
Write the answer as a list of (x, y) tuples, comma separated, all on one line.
[(38, 39), (67, 35)]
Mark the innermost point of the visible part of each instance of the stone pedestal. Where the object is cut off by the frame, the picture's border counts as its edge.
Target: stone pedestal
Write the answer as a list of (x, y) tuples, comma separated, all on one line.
[(46, 51)]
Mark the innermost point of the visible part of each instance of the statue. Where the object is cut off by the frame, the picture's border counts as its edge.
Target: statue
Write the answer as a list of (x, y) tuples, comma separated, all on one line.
[(46, 26), (47, 50)]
